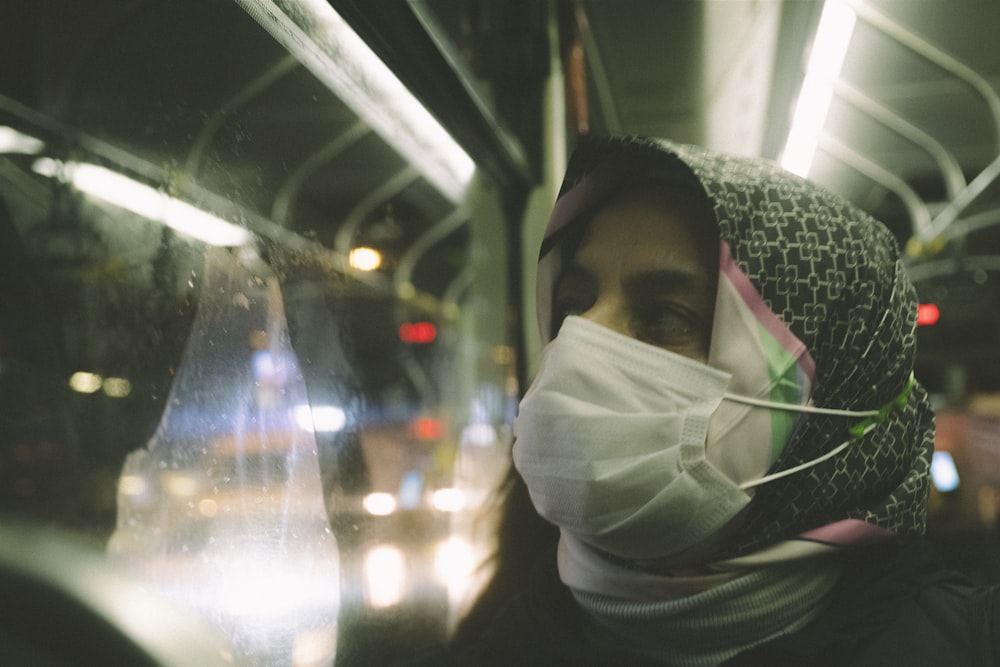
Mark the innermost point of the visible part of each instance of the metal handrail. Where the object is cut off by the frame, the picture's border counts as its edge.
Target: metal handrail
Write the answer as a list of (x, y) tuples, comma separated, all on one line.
[(289, 190), (919, 212), (922, 47), (954, 179)]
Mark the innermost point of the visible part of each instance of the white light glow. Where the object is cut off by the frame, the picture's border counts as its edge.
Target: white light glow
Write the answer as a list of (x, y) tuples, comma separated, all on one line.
[(338, 57), (328, 418), (132, 485), (208, 507), (454, 565), (116, 387), (122, 191), (315, 647), (177, 484), (320, 418), (12, 141), (85, 383), (453, 559), (833, 35), (380, 503), (448, 500), (944, 474), (479, 435), (266, 587), (365, 259), (385, 576)]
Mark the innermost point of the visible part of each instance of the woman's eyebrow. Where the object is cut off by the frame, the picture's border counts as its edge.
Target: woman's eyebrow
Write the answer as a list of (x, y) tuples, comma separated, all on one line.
[(671, 280)]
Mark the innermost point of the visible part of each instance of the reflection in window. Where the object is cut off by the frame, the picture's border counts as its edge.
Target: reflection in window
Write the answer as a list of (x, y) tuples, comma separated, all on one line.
[(224, 508)]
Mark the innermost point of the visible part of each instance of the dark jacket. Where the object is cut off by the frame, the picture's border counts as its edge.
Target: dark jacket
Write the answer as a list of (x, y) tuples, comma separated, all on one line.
[(896, 606)]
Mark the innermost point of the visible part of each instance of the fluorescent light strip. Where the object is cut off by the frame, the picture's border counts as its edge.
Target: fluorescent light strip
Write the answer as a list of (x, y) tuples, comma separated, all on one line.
[(12, 141), (836, 25), (122, 191), (345, 64)]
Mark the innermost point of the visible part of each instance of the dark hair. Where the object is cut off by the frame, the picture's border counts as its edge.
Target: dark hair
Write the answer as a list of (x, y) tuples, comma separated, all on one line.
[(522, 535)]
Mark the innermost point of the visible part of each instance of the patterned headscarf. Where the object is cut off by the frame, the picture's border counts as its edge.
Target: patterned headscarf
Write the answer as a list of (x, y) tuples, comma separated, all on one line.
[(832, 278)]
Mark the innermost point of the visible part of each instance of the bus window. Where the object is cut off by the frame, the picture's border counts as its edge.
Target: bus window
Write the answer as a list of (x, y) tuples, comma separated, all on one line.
[(255, 339)]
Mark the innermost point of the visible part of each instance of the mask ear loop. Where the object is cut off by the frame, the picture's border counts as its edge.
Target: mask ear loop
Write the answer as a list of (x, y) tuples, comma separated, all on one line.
[(857, 431)]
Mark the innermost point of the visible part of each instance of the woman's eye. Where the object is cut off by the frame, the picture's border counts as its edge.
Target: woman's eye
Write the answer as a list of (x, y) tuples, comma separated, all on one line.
[(669, 325)]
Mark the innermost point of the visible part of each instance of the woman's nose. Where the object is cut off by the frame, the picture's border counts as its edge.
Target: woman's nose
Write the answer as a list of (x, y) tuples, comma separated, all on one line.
[(609, 313)]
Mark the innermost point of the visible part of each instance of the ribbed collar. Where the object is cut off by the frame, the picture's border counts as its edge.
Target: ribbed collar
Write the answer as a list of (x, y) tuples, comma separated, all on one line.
[(706, 628)]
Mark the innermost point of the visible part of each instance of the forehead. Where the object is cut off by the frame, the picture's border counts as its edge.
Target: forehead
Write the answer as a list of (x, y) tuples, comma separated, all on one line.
[(644, 230)]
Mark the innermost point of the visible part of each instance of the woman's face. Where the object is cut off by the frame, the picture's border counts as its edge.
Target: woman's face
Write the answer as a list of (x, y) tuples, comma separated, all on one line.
[(641, 271)]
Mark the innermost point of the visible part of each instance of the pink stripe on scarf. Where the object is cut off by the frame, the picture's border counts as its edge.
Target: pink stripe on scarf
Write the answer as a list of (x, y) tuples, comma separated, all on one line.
[(729, 270), (847, 531)]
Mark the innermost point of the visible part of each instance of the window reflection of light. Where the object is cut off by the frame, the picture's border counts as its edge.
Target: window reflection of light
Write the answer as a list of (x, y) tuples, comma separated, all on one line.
[(427, 428), (208, 507), (315, 647), (141, 199), (117, 387), (177, 484), (385, 576), (406, 291), (448, 500), (380, 503), (85, 383), (503, 355), (453, 565), (479, 435), (132, 485), (365, 259), (12, 141), (264, 367), (304, 417), (420, 333), (265, 586), (411, 489), (320, 418), (328, 418)]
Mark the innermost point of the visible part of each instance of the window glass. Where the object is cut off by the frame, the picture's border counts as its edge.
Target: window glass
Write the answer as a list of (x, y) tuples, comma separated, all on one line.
[(253, 338)]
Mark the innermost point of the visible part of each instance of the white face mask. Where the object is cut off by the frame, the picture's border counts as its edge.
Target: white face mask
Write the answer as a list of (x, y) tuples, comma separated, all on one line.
[(611, 444)]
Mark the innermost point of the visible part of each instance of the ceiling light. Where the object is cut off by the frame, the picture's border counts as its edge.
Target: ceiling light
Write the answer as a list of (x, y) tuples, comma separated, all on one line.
[(364, 259), (341, 60), (85, 383), (836, 24)]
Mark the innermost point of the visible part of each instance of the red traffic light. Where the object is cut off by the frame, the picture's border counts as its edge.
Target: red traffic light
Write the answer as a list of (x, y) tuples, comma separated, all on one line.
[(426, 428), (417, 332), (927, 314)]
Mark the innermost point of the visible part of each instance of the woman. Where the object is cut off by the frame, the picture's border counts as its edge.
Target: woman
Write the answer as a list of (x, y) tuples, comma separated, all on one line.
[(725, 431)]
